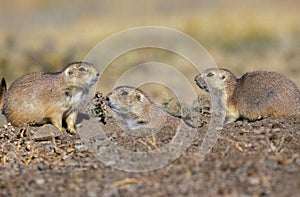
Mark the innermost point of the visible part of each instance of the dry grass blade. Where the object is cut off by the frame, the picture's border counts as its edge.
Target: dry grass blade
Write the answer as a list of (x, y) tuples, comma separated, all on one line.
[(20, 140), (126, 182), (237, 144)]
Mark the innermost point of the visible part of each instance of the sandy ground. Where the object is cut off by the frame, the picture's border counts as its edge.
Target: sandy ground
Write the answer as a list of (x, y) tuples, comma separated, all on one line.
[(258, 158)]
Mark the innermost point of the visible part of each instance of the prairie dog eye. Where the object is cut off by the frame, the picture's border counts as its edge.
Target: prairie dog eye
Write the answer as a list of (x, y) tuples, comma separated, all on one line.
[(81, 69), (210, 74), (124, 93)]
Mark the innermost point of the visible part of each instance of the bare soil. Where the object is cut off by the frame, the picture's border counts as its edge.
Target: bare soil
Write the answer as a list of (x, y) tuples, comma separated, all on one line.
[(260, 158)]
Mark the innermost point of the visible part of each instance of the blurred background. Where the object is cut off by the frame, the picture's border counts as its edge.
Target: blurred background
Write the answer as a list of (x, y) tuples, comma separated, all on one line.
[(46, 35)]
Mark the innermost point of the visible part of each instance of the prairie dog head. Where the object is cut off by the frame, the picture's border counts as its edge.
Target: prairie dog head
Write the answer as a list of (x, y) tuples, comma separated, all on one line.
[(128, 101), (216, 81), (131, 107), (81, 74)]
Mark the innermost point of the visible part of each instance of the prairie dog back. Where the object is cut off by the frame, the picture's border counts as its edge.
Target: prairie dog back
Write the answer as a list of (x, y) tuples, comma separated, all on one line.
[(266, 94)]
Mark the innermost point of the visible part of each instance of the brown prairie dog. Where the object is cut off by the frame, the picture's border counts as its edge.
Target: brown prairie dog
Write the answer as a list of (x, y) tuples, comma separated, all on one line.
[(39, 98), (254, 95), (135, 110)]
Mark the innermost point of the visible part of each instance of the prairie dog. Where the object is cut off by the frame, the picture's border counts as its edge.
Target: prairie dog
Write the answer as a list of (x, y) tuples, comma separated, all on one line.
[(254, 95), (39, 98), (135, 110)]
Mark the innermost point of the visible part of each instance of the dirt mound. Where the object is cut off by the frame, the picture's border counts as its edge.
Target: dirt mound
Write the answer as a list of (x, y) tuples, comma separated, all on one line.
[(258, 158)]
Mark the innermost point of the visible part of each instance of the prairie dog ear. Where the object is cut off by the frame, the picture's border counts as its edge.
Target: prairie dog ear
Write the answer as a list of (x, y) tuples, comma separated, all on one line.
[(68, 71), (223, 77), (139, 96)]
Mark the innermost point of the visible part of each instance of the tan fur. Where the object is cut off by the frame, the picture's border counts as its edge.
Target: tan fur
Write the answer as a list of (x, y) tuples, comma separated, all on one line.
[(132, 107), (254, 95), (39, 98)]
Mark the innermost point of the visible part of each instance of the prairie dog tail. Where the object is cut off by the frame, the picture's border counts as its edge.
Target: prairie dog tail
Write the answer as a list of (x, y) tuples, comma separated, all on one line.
[(2, 92)]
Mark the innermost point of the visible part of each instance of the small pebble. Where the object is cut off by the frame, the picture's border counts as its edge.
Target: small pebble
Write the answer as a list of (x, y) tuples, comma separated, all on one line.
[(40, 181), (65, 157), (276, 130), (254, 180), (79, 147), (41, 166), (46, 132)]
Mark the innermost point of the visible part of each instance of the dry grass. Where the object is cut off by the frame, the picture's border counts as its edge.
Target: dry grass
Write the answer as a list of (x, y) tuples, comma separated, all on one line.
[(44, 36)]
